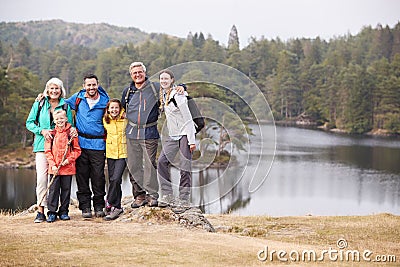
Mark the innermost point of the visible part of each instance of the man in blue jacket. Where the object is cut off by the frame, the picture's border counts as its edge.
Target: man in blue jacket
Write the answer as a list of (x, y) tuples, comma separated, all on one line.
[(89, 104)]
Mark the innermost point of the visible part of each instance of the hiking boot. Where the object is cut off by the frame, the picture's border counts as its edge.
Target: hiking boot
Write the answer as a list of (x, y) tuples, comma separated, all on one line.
[(114, 214), (99, 213), (152, 201), (51, 217), (166, 200), (139, 201), (181, 205), (40, 217), (64, 217), (87, 213)]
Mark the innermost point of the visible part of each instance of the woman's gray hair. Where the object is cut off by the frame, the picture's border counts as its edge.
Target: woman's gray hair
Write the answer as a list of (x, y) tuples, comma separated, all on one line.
[(137, 64), (57, 82)]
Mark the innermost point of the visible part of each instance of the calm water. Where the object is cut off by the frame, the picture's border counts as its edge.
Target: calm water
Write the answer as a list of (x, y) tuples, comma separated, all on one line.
[(313, 172)]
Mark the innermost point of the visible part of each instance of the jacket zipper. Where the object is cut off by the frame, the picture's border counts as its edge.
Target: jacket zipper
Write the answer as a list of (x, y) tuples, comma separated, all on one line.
[(140, 107)]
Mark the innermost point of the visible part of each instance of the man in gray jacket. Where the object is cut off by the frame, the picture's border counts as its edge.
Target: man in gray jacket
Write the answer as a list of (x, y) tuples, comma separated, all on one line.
[(141, 102)]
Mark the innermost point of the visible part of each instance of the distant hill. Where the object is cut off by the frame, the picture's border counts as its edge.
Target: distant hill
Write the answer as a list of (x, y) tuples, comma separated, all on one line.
[(49, 33)]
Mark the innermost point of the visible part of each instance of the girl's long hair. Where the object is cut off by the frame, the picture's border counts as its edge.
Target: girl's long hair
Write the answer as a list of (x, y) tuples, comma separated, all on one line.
[(107, 117)]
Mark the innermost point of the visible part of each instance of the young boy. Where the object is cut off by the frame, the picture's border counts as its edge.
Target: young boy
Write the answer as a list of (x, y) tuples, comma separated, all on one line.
[(61, 154)]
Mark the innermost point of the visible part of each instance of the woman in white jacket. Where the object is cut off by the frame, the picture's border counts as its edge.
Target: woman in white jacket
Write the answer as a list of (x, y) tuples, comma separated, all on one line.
[(181, 137)]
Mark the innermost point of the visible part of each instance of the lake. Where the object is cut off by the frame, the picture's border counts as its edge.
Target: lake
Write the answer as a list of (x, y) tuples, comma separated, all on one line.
[(312, 173)]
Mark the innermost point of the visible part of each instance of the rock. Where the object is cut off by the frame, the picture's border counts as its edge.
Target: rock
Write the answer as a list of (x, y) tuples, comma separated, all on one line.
[(193, 217), (190, 218)]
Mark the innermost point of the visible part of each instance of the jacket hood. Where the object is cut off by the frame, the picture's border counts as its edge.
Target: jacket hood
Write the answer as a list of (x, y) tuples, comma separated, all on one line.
[(67, 128), (102, 92)]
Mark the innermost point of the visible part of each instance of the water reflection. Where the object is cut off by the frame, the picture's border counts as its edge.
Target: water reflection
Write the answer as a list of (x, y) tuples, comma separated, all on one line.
[(313, 172), (326, 174), (17, 188)]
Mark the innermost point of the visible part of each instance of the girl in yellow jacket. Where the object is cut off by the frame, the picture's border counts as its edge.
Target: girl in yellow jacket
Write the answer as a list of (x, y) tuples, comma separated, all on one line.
[(116, 156)]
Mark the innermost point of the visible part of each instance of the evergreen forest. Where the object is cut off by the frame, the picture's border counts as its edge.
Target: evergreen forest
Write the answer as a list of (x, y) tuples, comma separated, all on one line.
[(350, 82)]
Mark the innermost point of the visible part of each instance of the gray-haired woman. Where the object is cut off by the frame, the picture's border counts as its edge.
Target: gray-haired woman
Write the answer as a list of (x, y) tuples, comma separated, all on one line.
[(40, 122)]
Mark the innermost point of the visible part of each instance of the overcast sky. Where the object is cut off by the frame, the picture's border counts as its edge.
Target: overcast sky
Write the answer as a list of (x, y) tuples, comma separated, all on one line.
[(253, 18)]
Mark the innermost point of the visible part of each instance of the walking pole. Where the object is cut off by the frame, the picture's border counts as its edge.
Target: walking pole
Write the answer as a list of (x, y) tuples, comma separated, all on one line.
[(58, 168)]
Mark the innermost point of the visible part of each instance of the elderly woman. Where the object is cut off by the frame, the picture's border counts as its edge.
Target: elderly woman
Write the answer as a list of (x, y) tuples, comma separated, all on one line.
[(40, 122)]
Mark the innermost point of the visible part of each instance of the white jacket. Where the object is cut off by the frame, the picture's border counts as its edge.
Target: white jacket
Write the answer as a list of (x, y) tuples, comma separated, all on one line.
[(179, 119)]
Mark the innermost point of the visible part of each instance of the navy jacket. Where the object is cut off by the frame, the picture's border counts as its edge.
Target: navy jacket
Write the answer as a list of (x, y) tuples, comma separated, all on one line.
[(142, 110)]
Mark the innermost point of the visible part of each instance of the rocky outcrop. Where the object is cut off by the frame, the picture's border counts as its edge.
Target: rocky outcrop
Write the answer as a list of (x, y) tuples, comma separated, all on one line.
[(17, 158), (16, 164), (191, 218)]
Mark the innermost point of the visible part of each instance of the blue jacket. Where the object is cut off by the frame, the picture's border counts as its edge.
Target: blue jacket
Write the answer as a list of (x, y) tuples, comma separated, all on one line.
[(141, 110), (89, 122), (44, 122)]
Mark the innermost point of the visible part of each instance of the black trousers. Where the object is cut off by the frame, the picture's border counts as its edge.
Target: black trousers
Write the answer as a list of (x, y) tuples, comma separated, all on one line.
[(90, 167), (116, 169), (59, 190)]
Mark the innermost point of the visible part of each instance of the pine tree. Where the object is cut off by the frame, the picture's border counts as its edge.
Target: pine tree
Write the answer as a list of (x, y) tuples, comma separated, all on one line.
[(233, 41)]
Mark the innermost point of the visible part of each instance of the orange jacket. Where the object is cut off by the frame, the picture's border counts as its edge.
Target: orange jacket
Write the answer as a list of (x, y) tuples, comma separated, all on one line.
[(55, 150)]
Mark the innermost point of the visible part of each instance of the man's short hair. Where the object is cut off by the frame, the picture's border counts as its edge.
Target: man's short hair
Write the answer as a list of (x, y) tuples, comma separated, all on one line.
[(90, 76), (137, 64)]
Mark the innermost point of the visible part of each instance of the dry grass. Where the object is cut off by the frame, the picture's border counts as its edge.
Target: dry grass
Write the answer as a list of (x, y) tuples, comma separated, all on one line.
[(161, 242)]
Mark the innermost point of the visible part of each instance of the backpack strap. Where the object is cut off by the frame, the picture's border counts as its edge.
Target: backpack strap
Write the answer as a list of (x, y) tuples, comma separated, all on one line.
[(41, 103), (126, 95), (173, 101), (154, 91), (130, 91), (77, 101)]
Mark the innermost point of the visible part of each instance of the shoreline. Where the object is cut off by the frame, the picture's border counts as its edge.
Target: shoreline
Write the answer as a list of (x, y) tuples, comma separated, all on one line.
[(380, 133), (24, 158)]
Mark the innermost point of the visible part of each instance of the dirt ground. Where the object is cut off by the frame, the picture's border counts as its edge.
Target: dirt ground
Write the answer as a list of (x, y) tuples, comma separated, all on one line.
[(155, 237)]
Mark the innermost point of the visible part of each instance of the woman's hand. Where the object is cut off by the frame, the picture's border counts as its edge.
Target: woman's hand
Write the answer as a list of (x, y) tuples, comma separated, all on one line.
[(46, 134), (54, 168), (192, 147), (73, 132)]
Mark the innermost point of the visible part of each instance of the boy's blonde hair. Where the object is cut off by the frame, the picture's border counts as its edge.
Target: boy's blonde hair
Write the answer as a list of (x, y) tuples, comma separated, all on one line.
[(60, 111)]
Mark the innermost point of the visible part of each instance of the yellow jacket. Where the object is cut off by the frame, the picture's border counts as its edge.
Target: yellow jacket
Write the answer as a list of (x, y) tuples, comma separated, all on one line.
[(116, 138)]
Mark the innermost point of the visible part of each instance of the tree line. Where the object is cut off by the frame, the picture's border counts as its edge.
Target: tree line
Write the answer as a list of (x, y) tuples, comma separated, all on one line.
[(350, 82)]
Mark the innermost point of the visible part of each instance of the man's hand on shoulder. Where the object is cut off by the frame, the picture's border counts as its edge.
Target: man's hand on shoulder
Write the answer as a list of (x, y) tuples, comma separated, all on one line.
[(180, 89), (39, 97)]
